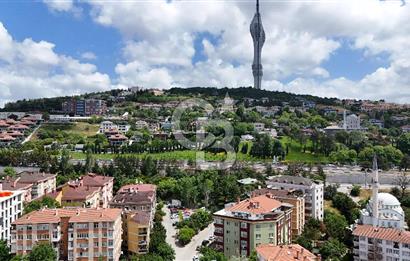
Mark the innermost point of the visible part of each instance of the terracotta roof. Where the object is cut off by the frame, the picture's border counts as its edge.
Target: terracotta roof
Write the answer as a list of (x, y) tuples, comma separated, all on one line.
[(283, 193), (14, 184), (32, 177), (18, 126), (117, 137), (256, 205), (138, 187), (14, 133), (94, 180), (292, 252), (390, 234), (3, 123), (6, 137), (141, 217), (44, 216), (133, 197), (75, 192)]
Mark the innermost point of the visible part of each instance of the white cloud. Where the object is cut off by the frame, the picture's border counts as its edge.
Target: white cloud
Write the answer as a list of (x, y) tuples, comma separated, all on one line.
[(63, 6), (89, 56), (159, 41), (30, 69)]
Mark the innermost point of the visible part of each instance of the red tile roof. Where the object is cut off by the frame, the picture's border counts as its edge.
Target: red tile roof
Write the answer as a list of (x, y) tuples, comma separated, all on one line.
[(138, 187), (94, 180), (14, 184), (292, 252), (73, 192), (18, 127), (390, 234), (256, 205), (45, 216), (141, 217)]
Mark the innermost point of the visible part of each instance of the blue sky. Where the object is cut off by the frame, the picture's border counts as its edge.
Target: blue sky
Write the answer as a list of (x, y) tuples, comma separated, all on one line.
[(347, 54)]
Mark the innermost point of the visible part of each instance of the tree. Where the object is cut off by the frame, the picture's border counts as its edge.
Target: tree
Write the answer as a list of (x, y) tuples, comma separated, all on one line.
[(346, 206), (403, 143), (332, 250), (9, 171), (336, 225), (403, 181), (4, 251), (209, 254), (405, 162), (165, 251), (43, 252), (185, 235), (38, 204), (355, 192)]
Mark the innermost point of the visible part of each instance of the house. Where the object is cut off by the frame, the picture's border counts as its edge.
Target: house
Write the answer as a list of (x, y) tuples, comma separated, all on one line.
[(141, 124), (117, 140), (107, 125), (80, 196), (259, 126)]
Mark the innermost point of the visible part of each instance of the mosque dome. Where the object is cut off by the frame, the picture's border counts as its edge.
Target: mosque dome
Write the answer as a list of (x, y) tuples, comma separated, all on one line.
[(386, 199)]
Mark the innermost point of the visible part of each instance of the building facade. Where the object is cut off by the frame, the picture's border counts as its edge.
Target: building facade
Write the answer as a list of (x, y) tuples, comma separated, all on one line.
[(75, 234), (11, 203), (42, 183), (313, 191), (242, 226), (136, 231), (84, 107), (294, 198)]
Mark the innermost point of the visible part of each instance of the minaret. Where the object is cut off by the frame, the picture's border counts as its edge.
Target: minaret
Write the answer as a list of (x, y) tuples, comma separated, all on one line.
[(258, 36), (375, 188), (344, 120)]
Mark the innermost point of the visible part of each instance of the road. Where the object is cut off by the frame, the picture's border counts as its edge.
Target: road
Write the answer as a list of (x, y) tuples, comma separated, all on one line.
[(31, 134), (187, 252)]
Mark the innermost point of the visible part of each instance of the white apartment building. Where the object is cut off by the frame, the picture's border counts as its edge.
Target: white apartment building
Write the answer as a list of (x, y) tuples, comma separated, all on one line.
[(259, 126), (352, 122), (313, 190), (109, 125), (11, 208)]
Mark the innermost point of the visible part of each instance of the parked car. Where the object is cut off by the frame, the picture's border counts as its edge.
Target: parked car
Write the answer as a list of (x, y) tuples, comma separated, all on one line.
[(205, 242)]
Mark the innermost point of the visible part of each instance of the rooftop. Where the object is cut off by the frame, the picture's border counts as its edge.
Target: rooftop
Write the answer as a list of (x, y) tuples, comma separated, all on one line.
[(390, 234), (32, 177), (292, 252), (76, 215)]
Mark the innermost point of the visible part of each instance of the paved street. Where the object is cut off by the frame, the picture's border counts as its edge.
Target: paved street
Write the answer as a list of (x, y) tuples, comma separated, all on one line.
[(187, 252)]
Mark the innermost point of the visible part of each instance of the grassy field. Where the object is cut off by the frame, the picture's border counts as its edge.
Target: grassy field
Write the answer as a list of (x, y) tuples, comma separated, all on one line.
[(297, 155), (80, 128), (174, 155), (328, 206)]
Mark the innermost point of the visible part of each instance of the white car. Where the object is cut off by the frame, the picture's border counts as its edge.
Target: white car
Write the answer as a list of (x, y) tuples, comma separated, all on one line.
[(195, 258)]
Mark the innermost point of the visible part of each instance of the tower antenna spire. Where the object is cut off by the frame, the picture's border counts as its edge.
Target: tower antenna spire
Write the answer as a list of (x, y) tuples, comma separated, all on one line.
[(375, 188), (257, 6)]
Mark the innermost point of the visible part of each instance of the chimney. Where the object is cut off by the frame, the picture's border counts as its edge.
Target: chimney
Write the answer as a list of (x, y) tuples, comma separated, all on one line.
[(297, 255), (238, 199)]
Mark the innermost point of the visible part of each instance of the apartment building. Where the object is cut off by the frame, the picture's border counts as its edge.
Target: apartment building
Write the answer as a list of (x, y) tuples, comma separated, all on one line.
[(76, 234), (42, 183), (138, 203), (11, 203), (313, 191), (13, 184), (244, 225), (84, 107), (292, 197), (80, 196), (269, 252), (136, 231), (136, 197), (379, 243), (104, 184)]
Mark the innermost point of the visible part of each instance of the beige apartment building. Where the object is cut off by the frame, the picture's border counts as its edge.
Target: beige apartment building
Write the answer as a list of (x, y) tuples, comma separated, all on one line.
[(75, 234), (292, 197), (244, 225), (42, 183)]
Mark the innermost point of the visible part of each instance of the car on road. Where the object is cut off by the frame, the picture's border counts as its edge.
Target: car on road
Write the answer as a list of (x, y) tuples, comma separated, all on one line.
[(195, 258)]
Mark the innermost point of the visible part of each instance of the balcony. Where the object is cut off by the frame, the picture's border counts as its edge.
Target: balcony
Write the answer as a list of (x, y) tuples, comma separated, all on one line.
[(142, 243)]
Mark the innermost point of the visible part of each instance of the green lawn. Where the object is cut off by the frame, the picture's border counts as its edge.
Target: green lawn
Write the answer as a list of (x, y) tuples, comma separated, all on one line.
[(296, 153), (79, 128), (174, 155)]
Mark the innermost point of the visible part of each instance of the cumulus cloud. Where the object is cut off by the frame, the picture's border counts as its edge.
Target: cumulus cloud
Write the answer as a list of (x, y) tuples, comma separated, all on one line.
[(89, 56), (30, 69), (159, 41)]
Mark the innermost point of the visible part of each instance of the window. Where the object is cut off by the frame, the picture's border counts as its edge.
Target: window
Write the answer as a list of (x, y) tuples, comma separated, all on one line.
[(258, 236), (271, 235)]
